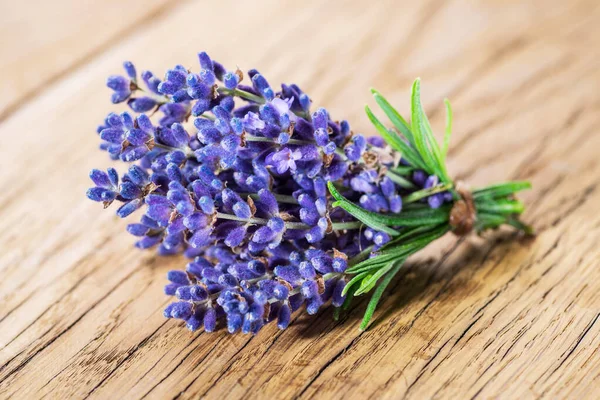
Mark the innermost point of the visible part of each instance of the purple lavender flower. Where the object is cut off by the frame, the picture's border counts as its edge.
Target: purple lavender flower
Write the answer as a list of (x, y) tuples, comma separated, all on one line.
[(122, 86), (250, 292), (244, 191)]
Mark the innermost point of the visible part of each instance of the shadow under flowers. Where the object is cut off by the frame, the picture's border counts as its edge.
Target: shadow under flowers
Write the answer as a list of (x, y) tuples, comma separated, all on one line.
[(427, 279)]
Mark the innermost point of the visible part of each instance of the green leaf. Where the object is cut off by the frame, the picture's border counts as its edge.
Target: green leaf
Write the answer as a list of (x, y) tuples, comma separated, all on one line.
[(448, 132), (396, 142), (527, 229), (421, 194), (349, 297), (399, 248), (399, 180), (355, 279), (501, 189), (380, 222), (403, 170), (363, 255), (418, 217), (412, 233), (424, 140), (379, 292), (336, 313), (359, 213), (501, 206), (390, 137), (489, 220), (370, 280), (370, 264), (394, 116), (345, 305), (415, 244)]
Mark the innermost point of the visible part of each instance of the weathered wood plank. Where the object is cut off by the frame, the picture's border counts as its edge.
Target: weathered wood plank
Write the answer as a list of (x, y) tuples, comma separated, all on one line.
[(81, 310)]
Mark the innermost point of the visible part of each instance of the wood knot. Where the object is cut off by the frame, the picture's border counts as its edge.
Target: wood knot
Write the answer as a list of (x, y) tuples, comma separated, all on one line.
[(463, 213)]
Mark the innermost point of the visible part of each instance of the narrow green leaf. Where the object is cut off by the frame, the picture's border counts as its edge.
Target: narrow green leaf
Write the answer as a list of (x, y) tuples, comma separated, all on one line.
[(370, 264), (349, 297), (501, 189), (416, 217), (400, 180), (383, 221), (396, 142), (400, 248), (363, 255), (390, 137), (336, 313), (488, 221), (403, 170), (394, 116), (527, 229), (407, 234), (411, 155), (448, 132), (360, 213), (345, 305), (415, 244), (424, 141), (378, 293), (370, 281), (355, 279), (415, 207), (421, 194), (501, 206)]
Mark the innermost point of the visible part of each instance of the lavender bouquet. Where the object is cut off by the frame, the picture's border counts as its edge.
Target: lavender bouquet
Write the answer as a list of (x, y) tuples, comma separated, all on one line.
[(278, 206)]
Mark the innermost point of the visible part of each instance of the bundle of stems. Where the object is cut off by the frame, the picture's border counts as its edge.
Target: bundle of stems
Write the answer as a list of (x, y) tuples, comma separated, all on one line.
[(418, 225)]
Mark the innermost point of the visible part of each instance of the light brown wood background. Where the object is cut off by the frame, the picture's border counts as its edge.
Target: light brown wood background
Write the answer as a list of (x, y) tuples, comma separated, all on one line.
[(493, 317)]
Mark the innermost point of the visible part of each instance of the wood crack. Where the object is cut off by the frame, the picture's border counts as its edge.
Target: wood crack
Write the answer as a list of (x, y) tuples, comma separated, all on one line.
[(327, 364), (572, 350), (127, 357), (71, 325), (164, 378)]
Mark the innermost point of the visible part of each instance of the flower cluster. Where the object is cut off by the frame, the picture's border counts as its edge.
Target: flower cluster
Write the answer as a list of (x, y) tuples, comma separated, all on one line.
[(235, 177), (249, 291)]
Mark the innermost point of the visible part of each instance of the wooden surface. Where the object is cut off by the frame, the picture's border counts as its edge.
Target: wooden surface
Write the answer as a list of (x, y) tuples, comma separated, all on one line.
[(493, 317)]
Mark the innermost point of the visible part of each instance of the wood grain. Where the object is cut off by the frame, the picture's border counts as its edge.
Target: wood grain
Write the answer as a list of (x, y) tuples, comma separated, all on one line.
[(491, 317), (44, 40)]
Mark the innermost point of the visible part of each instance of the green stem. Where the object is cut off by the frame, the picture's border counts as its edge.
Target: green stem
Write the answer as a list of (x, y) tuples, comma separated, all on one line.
[(421, 194), (340, 153), (242, 93), (338, 226), (252, 138), (256, 221), (281, 198), (363, 255), (399, 180), (187, 151), (159, 99), (207, 116), (379, 292)]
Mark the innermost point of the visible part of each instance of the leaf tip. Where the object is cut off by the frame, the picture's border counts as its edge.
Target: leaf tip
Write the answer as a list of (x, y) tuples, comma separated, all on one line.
[(364, 325), (331, 188), (345, 290), (375, 92)]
